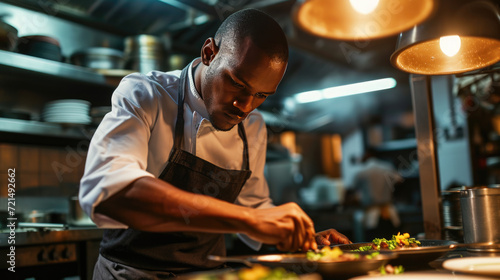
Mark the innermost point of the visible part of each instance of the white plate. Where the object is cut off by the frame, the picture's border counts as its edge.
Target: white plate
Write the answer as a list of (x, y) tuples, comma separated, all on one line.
[(489, 266), (422, 276), (64, 115), (66, 108), (69, 101)]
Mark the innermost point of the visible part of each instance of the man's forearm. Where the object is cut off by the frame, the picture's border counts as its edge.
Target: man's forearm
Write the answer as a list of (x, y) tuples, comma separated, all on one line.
[(150, 204)]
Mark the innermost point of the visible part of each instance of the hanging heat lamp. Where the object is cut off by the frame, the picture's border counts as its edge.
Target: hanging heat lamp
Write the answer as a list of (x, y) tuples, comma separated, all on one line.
[(461, 36), (360, 19)]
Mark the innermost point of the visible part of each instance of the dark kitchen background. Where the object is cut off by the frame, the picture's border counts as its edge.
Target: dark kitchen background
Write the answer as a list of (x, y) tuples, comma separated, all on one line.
[(65, 51)]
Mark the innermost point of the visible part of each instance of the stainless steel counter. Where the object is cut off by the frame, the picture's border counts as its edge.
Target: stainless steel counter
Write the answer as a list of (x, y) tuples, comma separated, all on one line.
[(33, 236)]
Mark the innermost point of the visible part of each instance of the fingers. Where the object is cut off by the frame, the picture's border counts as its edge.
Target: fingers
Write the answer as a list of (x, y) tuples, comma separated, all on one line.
[(310, 240), (288, 227), (299, 236), (338, 237), (303, 233), (322, 240), (331, 236), (342, 239), (310, 234)]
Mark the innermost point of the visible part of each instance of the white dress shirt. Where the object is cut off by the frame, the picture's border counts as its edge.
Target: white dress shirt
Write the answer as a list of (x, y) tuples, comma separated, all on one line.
[(134, 140)]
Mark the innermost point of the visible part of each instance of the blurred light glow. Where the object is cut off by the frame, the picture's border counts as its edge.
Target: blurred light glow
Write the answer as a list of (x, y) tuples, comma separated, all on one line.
[(450, 45), (309, 96), (364, 6), (345, 90)]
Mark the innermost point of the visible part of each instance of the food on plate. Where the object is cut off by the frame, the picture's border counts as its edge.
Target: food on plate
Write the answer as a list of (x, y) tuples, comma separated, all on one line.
[(389, 269), (260, 272), (328, 253), (398, 241), (256, 272)]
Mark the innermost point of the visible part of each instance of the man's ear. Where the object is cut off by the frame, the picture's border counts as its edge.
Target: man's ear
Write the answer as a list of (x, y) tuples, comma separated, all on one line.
[(208, 51)]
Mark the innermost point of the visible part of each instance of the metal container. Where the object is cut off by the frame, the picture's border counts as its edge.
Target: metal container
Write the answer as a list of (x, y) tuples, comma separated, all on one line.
[(77, 217), (8, 36), (481, 214), (36, 216), (452, 215), (40, 46), (145, 53), (99, 58)]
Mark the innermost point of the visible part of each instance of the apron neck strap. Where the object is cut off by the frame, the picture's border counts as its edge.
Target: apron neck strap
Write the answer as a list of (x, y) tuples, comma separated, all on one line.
[(179, 125), (243, 135)]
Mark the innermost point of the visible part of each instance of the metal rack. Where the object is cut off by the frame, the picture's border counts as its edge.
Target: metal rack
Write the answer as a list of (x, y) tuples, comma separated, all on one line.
[(41, 129), (26, 63)]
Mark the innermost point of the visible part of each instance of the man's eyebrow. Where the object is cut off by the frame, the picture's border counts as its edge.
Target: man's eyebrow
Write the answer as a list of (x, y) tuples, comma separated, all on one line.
[(235, 75)]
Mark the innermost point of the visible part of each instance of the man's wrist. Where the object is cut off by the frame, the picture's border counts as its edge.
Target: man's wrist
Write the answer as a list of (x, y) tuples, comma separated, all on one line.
[(247, 220)]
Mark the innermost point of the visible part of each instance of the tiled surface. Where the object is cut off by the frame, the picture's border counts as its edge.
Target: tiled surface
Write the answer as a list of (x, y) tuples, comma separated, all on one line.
[(40, 167)]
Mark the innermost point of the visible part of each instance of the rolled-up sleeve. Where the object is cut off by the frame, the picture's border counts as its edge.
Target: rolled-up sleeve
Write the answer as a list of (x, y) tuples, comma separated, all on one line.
[(118, 150)]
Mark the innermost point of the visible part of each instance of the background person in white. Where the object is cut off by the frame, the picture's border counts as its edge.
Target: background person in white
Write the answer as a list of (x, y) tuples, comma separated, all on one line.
[(374, 183), (237, 70)]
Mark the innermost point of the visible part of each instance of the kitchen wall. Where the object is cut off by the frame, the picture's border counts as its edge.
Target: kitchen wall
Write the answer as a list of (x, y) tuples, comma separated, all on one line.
[(51, 170), (45, 180)]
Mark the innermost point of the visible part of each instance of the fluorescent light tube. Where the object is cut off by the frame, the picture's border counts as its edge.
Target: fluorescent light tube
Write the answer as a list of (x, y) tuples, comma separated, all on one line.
[(345, 90)]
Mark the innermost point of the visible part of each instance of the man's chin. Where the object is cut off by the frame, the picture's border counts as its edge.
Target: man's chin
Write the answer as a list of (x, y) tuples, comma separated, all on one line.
[(227, 127), (221, 123)]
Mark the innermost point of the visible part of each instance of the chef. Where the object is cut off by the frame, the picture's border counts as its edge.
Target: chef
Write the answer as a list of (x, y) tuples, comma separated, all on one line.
[(179, 160)]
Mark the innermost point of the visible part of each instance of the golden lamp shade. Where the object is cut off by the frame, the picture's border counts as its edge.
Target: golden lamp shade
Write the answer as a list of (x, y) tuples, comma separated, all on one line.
[(462, 36), (360, 19)]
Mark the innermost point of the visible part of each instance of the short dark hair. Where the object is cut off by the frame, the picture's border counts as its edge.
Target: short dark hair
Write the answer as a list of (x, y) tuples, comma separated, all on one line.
[(262, 29)]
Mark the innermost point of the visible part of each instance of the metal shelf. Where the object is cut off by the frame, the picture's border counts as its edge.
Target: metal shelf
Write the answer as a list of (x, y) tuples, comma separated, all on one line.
[(42, 129), (11, 60), (396, 145)]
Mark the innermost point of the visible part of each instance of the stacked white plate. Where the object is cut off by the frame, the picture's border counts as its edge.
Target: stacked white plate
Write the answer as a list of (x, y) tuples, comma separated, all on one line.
[(67, 111)]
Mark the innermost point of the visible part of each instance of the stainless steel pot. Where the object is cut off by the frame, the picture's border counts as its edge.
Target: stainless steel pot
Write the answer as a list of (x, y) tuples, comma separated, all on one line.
[(99, 58), (77, 217), (481, 214), (145, 53), (452, 215), (36, 216), (8, 36)]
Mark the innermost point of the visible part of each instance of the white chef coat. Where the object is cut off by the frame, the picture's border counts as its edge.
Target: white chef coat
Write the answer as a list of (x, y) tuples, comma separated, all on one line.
[(134, 140)]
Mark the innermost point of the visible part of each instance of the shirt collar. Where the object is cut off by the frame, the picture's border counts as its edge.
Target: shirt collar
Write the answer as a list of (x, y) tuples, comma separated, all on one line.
[(193, 98)]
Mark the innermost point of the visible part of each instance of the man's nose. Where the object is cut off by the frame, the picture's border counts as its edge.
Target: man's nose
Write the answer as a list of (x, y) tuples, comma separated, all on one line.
[(244, 103)]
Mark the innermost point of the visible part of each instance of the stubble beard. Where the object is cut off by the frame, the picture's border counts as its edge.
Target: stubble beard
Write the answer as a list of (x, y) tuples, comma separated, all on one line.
[(209, 101)]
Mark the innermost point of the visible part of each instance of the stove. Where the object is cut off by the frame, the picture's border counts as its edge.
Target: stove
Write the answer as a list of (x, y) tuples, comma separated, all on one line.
[(49, 251)]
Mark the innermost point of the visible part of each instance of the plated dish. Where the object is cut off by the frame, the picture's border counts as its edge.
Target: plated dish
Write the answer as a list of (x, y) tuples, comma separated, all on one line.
[(256, 272), (422, 275), (399, 241), (337, 268), (487, 266), (427, 251)]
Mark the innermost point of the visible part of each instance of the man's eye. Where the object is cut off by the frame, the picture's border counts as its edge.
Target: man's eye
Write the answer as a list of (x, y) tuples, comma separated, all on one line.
[(260, 95), (236, 84)]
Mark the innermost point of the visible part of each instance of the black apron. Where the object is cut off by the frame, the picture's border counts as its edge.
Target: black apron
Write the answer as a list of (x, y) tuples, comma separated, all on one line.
[(179, 252)]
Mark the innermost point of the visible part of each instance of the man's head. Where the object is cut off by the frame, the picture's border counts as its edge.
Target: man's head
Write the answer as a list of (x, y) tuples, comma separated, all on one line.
[(241, 66)]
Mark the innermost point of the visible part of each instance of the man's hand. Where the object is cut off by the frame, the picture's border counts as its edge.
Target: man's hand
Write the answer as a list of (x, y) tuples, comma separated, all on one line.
[(287, 226), (331, 236)]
